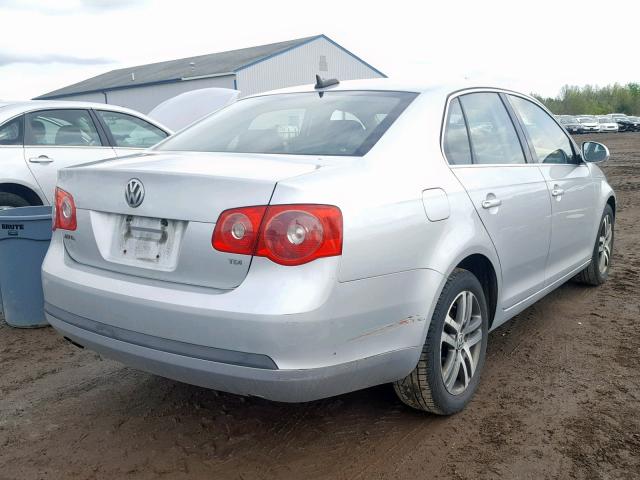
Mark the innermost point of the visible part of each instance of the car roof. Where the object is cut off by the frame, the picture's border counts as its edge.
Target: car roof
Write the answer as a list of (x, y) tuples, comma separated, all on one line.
[(11, 109), (392, 85)]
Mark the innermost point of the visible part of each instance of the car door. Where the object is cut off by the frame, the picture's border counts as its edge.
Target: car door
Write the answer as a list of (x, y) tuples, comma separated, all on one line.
[(509, 194), (570, 186), (129, 134), (58, 138)]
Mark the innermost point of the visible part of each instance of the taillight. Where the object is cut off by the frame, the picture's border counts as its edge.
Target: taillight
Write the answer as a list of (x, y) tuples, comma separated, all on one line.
[(286, 234), (64, 211), (237, 230)]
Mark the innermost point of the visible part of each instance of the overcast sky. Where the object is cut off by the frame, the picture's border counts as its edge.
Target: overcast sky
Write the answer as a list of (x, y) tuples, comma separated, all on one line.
[(529, 46)]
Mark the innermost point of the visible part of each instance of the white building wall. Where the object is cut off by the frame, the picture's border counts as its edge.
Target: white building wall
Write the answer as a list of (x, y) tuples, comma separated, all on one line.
[(145, 98), (300, 65)]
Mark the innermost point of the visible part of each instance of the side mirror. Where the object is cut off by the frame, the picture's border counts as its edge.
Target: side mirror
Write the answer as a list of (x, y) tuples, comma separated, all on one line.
[(594, 152)]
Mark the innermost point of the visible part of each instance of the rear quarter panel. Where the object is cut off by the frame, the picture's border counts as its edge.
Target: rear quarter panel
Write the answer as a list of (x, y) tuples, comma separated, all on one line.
[(386, 229)]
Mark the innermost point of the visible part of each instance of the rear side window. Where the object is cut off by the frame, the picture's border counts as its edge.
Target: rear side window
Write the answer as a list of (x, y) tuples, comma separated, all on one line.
[(330, 123), (128, 131), (456, 138), (74, 128), (12, 132), (550, 142), (493, 136)]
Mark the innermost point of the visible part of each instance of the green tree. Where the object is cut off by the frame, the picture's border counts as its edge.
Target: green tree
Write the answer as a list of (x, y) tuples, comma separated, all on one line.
[(594, 100)]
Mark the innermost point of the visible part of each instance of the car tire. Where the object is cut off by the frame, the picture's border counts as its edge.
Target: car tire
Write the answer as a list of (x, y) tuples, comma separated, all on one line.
[(11, 200), (429, 387), (598, 270)]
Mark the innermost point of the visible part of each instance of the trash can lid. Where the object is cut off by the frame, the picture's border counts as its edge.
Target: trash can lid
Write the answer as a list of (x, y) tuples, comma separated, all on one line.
[(24, 214)]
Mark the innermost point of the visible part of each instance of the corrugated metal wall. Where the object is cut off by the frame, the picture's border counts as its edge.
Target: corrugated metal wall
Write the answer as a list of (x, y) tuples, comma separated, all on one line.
[(294, 67), (300, 65), (144, 99)]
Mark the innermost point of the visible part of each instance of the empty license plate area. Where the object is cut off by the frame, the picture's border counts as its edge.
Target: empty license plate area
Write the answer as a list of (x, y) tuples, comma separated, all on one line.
[(147, 242)]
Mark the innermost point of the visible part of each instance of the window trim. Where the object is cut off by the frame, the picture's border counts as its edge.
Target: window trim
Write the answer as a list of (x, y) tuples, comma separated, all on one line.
[(27, 129), (577, 159), (109, 136)]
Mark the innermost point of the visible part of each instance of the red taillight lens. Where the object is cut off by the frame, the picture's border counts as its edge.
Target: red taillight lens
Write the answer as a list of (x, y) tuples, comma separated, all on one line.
[(237, 230), (286, 234), (65, 211)]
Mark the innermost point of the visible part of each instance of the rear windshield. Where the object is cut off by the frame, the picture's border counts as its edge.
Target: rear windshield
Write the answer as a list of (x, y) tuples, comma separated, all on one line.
[(334, 123)]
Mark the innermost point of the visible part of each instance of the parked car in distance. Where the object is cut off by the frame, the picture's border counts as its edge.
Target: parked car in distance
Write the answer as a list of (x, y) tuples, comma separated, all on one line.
[(321, 239), (607, 124), (624, 122), (589, 124), (37, 138), (635, 123), (571, 124), (615, 116)]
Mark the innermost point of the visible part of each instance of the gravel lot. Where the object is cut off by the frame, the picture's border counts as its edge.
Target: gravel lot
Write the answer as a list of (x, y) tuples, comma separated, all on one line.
[(559, 398)]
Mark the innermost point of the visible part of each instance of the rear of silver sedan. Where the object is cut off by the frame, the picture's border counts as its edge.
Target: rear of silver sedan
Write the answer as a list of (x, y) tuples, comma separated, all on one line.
[(190, 266)]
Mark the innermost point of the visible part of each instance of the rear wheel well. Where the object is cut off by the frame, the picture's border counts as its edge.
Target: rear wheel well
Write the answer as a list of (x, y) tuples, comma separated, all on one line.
[(483, 269), (25, 192), (612, 202)]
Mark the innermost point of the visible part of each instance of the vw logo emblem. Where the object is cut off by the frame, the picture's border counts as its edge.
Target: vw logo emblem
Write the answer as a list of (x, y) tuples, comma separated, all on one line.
[(134, 193)]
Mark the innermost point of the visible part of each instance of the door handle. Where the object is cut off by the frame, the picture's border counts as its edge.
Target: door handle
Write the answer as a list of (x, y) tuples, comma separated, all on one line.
[(557, 191), (494, 202), (41, 159)]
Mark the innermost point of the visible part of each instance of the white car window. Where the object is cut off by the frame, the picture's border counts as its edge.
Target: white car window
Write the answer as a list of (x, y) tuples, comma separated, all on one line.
[(61, 128), (131, 132), (11, 132)]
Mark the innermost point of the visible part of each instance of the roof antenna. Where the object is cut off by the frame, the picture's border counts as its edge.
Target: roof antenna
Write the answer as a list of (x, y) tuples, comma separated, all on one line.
[(325, 82)]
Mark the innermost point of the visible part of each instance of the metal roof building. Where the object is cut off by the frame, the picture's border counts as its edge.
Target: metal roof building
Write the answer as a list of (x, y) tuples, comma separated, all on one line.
[(250, 70)]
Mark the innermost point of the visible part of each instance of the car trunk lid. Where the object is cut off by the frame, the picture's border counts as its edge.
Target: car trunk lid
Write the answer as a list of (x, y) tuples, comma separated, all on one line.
[(168, 236)]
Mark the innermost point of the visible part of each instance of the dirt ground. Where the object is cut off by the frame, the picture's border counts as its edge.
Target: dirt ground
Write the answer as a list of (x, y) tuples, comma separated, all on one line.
[(559, 398)]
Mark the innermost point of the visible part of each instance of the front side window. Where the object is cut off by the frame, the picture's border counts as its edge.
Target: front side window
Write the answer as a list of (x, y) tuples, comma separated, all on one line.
[(61, 128), (550, 143), (456, 138), (331, 123), (11, 133), (129, 131), (493, 137)]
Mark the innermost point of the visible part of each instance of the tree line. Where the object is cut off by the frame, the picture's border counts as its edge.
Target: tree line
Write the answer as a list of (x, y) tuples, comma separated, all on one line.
[(594, 100)]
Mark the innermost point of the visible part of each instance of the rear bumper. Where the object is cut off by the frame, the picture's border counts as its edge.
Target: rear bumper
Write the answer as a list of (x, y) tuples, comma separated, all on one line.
[(286, 334), (278, 385)]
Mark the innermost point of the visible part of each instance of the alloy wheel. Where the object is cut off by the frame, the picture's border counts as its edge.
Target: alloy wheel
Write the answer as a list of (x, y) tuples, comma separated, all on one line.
[(461, 342), (605, 240)]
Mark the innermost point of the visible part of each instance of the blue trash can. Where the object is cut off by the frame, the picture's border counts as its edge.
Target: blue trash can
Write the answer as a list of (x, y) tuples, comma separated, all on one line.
[(25, 234)]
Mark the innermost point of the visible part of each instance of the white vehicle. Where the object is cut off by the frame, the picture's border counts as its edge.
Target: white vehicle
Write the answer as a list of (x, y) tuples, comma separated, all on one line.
[(589, 124), (37, 138), (607, 124)]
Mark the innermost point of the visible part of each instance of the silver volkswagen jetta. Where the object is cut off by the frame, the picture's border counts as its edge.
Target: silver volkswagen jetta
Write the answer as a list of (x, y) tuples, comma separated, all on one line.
[(319, 240)]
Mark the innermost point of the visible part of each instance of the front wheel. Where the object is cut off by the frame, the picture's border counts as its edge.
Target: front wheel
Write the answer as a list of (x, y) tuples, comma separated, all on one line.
[(448, 371), (598, 270)]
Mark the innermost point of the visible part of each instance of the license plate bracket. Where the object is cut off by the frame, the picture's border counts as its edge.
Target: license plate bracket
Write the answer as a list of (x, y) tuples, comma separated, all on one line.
[(147, 242)]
